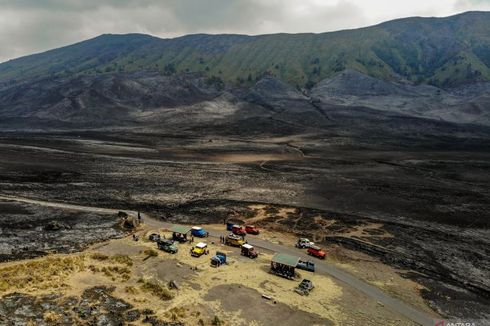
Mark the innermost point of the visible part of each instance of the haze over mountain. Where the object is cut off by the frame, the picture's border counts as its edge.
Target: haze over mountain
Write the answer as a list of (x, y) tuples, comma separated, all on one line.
[(440, 51)]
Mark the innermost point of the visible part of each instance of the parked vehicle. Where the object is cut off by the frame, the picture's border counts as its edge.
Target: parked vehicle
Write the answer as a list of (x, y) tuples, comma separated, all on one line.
[(154, 237), (238, 230), (317, 252), (218, 259), (234, 240), (306, 266), (229, 225), (199, 249), (168, 246), (305, 287), (179, 237), (251, 229), (304, 243), (249, 251), (198, 232)]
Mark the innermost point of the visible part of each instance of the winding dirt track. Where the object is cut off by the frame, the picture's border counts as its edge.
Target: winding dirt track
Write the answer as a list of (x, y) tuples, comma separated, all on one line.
[(325, 268)]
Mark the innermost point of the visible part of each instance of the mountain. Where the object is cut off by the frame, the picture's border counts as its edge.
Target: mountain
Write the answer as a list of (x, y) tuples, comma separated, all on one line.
[(444, 52), (467, 104), (101, 100)]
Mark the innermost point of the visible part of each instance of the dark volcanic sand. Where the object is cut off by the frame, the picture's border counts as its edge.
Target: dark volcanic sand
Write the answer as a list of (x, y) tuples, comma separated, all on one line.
[(434, 201), (96, 306), (28, 231)]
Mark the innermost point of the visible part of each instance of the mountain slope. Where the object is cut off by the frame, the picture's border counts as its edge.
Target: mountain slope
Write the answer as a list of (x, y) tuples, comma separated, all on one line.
[(440, 51), (94, 101), (469, 104)]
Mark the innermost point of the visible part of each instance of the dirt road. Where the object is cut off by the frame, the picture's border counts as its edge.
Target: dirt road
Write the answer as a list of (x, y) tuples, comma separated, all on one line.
[(321, 267)]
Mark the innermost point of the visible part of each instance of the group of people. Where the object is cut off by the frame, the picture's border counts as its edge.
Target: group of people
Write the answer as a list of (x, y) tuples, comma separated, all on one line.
[(282, 269)]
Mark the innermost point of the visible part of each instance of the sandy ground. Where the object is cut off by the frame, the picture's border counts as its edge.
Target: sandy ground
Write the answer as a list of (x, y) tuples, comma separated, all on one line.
[(365, 267), (231, 293)]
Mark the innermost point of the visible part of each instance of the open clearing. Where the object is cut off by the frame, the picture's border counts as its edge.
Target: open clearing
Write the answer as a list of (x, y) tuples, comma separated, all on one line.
[(137, 275)]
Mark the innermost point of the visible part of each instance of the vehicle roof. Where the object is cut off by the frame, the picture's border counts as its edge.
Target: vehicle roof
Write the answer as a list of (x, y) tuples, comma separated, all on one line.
[(250, 226), (233, 236), (316, 248), (304, 239), (201, 245), (197, 228), (246, 245), (285, 259), (236, 225)]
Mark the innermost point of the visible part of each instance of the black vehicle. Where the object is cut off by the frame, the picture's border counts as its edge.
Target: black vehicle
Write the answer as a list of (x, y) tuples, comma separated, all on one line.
[(179, 237), (154, 237), (305, 287)]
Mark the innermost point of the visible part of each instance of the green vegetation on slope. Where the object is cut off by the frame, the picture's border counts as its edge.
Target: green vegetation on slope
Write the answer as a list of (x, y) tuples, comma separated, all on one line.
[(440, 51)]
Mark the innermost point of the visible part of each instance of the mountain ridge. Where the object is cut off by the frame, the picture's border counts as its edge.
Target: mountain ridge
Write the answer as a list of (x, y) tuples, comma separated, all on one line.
[(448, 51)]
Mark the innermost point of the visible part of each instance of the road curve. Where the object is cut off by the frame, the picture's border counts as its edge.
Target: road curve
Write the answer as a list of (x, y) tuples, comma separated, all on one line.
[(322, 267)]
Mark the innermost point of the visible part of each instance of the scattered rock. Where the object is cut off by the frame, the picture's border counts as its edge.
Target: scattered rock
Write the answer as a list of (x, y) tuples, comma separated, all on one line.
[(56, 226), (173, 285), (130, 223), (267, 297), (122, 214)]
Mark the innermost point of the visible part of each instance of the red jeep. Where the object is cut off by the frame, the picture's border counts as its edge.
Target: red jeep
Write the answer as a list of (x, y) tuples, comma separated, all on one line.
[(250, 229), (238, 230), (316, 252)]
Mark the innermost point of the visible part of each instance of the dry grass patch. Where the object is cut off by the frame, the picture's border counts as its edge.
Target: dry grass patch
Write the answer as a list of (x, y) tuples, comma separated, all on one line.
[(131, 290), (156, 288), (99, 256), (116, 273), (40, 274), (176, 313), (117, 259), (51, 272), (52, 317), (122, 259)]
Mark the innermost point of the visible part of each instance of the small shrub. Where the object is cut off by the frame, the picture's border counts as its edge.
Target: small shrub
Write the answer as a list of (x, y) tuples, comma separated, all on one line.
[(122, 259), (93, 269), (131, 290), (177, 312), (151, 252), (99, 256), (51, 317), (216, 321), (157, 290)]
